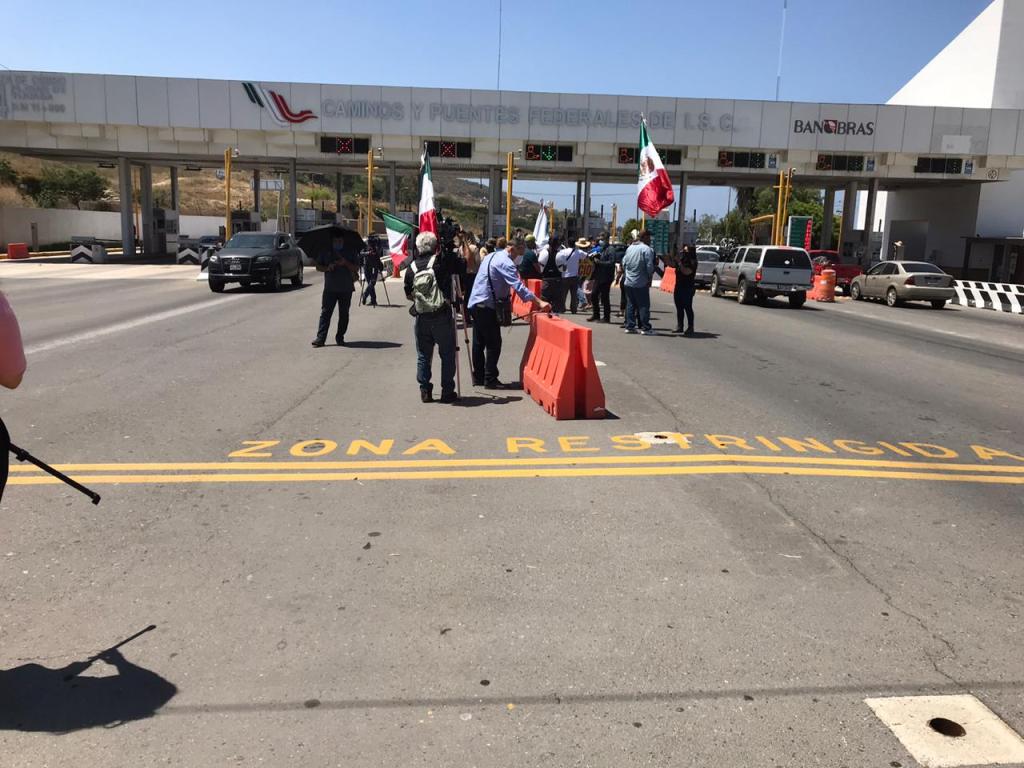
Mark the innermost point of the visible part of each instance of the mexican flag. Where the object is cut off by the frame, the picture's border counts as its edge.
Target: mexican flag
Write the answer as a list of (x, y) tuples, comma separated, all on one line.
[(428, 215), (653, 187), (399, 233)]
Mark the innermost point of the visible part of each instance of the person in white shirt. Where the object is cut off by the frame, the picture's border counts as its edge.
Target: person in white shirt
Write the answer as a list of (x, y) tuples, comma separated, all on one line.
[(571, 275)]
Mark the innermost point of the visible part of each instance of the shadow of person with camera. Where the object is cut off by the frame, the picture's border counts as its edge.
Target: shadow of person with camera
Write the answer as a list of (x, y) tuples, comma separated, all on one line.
[(62, 700)]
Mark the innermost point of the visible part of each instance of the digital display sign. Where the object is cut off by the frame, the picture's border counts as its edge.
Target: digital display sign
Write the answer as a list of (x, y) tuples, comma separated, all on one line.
[(551, 153), (451, 150), (344, 145), (630, 156), (853, 163), (741, 159)]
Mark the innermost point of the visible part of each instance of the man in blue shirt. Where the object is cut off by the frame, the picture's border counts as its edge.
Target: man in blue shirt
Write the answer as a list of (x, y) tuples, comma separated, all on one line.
[(638, 271), (497, 274)]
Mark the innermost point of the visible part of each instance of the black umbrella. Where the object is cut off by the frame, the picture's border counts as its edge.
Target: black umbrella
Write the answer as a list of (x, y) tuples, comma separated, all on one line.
[(318, 244)]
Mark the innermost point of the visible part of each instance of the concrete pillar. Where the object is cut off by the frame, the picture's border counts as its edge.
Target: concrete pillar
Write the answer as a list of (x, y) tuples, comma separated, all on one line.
[(124, 174), (256, 191), (684, 179), (826, 220), (293, 201), (578, 202), (175, 197), (849, 206), (586, 203), (393, 188), (493, 190), (337, 194), (869, 216), (146, 209)]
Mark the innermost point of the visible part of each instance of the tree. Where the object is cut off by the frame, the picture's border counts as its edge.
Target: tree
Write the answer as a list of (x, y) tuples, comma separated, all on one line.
[(627, 230), (7, 174), (60, 184), (706, 227), (321, 194)]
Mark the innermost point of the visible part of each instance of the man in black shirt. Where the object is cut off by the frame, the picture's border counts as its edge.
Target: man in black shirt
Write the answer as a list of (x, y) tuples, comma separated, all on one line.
[(339, 285), (603, 276), (435, 323), (372, 267)]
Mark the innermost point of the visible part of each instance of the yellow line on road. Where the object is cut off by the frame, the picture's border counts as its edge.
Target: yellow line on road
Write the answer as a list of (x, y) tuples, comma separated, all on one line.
[(502, 474), (539, 461)]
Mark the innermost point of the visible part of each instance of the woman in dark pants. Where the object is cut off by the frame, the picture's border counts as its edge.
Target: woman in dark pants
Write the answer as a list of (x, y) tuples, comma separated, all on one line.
[(686, 286), (12, 368), (551, 289)]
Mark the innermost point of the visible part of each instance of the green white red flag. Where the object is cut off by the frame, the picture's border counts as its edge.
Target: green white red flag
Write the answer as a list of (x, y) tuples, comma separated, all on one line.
[(653, 187), (399, 235), (428, 214)]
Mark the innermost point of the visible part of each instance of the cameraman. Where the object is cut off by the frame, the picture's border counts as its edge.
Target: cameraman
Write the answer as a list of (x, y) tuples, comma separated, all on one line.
[(339, 285), (12, 368), (372, 267)]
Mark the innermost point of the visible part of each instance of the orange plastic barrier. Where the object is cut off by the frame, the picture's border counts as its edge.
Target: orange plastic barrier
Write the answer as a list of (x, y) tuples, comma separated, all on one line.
[(17, 251), (668, 280), (522, 308), (559, 372), (824, 286)]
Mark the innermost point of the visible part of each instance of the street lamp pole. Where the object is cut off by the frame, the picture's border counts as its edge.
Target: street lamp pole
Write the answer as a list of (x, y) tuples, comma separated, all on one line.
[(510, 171), (369, 187), (229, 154)]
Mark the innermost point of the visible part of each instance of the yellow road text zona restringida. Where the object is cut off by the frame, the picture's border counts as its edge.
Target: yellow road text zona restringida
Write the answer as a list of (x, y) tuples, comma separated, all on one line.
[(519, 468)]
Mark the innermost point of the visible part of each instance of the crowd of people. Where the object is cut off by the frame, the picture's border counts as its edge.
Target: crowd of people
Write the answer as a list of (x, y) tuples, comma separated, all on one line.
[(475, 277)]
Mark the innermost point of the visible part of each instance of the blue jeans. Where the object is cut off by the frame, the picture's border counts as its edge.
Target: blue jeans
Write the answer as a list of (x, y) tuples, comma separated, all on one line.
[(436, 330), (638, 307)]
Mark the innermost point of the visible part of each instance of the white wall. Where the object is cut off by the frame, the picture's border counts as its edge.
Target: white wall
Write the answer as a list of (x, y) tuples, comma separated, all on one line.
[(1002, 208), (951, 213), (58, 225)]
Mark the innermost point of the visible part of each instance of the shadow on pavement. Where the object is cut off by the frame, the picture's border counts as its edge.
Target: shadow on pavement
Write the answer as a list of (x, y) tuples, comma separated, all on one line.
[(475, 401), (61, 700), (372, 344)]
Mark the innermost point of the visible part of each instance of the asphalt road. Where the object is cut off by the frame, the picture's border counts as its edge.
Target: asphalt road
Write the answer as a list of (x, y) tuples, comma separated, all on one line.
[(341, 575)]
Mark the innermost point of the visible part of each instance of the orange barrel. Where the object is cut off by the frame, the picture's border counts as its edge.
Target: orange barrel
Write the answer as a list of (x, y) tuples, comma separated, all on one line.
[(825, 286)]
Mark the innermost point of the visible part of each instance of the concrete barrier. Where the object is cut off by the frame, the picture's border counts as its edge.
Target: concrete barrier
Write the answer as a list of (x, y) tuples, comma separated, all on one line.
[(1001, 297), (89, 254)]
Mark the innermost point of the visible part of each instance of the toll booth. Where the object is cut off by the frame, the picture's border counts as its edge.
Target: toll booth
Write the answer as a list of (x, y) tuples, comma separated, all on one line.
[(245, 221), (308, 218), (165, 231)]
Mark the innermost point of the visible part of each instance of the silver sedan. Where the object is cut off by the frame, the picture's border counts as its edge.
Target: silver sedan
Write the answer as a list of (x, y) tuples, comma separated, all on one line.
[(899, 281)]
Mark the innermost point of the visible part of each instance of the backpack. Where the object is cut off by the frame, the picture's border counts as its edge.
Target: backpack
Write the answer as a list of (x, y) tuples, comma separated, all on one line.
[(426, 293)]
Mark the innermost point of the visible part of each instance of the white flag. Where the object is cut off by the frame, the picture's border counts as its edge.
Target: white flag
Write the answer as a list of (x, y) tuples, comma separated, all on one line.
[(540, 228)]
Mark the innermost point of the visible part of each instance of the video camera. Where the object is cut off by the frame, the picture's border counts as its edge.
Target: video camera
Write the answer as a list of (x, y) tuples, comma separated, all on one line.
[(448, 231)]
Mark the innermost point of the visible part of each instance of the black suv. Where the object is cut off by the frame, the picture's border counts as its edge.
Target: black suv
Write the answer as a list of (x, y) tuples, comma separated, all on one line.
[(256, 257)]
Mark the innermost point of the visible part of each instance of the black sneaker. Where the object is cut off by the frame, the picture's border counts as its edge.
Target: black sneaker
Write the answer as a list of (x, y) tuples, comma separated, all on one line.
[(340, 342), (318, 342), (678, 330), (592, 319), (449, 397), (427, 395), (688, 332), (497, 385)]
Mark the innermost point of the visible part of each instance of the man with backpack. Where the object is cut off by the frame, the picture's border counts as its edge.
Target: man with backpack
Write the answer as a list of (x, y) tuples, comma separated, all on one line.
[(490, 304), (428, 285)]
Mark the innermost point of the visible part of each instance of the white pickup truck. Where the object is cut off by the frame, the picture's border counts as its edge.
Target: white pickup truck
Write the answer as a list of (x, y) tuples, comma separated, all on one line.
[(758, 272)]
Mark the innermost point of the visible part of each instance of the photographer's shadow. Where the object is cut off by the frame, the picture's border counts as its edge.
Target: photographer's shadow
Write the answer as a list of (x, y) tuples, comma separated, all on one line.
[(37, 698)]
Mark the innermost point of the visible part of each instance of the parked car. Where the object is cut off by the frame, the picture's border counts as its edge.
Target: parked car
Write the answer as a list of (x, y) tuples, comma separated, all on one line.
[(256, 257), (845, 268), (759, 272), (706, 261), (899, 281)]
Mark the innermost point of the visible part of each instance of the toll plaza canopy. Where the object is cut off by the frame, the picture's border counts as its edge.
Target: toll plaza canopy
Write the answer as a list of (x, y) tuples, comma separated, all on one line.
[(172, 121)]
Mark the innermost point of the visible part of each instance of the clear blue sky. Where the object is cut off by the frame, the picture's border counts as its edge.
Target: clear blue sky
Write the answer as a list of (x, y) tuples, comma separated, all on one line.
[(835, 50)]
